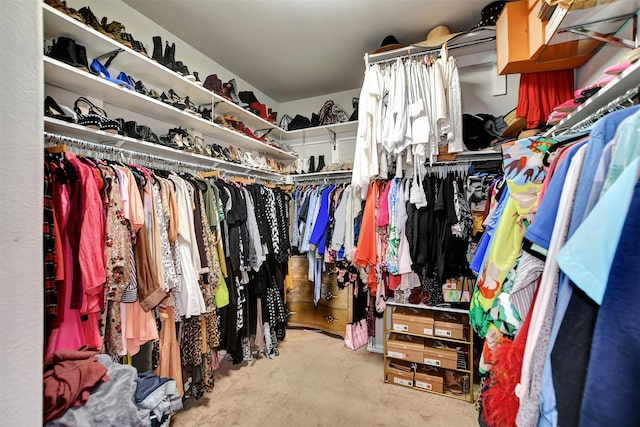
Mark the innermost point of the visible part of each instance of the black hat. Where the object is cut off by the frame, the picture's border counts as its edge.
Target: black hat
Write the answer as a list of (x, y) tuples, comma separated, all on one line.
[(389, 43), (474, 134), (490, 14)]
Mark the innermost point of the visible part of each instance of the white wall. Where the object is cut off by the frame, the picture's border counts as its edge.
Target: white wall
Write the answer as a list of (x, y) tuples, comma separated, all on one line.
[(476, 84), (21, 158)]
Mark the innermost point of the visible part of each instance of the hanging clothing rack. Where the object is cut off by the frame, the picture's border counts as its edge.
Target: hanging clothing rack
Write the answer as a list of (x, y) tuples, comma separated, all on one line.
[(109, 152), (622, 101), (421, 51), (80, 146)]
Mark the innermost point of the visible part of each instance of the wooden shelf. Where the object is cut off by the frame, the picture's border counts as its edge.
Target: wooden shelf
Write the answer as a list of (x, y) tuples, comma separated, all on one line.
[(140, 67), (627, 80), (465, 397), (427, 307), (73, 130), (432, 337), (70, 78)]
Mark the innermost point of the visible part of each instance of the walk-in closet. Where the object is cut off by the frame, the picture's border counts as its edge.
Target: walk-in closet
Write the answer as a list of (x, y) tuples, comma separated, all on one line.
[(319, 213)]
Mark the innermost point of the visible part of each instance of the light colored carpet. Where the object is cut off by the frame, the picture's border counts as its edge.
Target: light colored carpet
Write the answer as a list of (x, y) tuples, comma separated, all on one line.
[(317, 381)]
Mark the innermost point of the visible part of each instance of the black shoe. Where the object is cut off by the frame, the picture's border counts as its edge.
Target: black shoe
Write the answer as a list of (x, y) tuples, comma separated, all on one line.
[(157, 50), (65, 50), (321, 164), (53, 110), (312, 164)]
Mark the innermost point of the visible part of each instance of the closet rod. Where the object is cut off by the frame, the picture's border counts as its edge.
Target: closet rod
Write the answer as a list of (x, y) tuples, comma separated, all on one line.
[(117, 154), (616, 104), (408, 54)]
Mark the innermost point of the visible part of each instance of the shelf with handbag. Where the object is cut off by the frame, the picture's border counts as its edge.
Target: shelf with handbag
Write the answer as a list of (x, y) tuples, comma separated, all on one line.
[(56, 23), (434, 341)]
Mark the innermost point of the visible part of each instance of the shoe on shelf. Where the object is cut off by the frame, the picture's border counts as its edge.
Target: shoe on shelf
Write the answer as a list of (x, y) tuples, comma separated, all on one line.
[(169, 58), (94, 117), (197, 78), (125, 78), (53, 110), (68, 51), (114, 30), (62, 7), (91, 20), (100, 70), (176, 100)]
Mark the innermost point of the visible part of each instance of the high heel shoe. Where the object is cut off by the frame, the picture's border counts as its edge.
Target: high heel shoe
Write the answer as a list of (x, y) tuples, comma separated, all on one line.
[(231, 90), (125, 78), (175, 100), (53, 110), (98, 69), (190, 107), (94, 117), (197, 78)]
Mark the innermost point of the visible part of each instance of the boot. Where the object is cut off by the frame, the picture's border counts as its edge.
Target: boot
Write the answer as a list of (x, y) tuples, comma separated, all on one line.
[(64, 50), (321, 164), (170, 56), (157, 50), (312, 164), (81, 57), (452, 381)]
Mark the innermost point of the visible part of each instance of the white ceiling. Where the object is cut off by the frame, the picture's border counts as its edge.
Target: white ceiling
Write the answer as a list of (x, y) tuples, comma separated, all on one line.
[(294, 49)]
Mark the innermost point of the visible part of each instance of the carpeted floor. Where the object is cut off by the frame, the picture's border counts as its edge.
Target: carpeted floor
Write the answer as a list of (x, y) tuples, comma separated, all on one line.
[(317, 381)]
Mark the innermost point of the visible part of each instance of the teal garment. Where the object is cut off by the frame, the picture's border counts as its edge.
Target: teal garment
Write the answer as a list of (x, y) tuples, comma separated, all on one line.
[(586, 258), (626, 150)]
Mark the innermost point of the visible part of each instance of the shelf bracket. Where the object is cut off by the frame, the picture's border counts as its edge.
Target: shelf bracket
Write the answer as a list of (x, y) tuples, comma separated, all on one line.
[(617, 41), (332, 135)]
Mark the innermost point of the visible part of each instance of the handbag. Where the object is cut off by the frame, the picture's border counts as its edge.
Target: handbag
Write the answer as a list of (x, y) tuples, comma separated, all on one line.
[(355, 335), (450, 292)]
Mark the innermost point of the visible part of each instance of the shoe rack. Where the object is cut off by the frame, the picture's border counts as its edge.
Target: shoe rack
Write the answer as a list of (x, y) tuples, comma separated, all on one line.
[(61, 75), (411, 380)]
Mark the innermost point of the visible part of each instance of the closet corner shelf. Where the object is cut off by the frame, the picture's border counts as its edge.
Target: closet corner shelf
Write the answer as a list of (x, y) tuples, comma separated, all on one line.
[(141, 67), (318, 131), (628, 79), (427, 307), (320, 175), (60, 127), (67, 77)]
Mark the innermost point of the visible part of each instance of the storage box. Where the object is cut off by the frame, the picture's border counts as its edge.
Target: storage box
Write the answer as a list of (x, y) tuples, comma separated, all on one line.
[(405, 319), (405, 347), (440, 357), (429, 378), (397, 376), (450, 325)]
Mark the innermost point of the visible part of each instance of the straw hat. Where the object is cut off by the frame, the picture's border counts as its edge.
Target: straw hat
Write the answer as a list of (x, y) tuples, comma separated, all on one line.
[(437, 36), (514, 124)]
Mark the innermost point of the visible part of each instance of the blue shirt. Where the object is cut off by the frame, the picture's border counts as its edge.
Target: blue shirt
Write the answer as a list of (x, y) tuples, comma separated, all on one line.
[(603, 131)]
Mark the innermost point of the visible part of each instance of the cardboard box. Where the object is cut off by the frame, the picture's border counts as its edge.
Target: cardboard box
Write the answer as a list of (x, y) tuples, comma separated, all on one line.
[(405, 319), (405, 347), (398, 376), (429, 378), (450, 325), (440, 357)]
